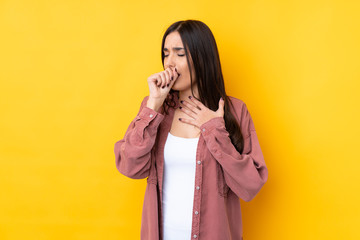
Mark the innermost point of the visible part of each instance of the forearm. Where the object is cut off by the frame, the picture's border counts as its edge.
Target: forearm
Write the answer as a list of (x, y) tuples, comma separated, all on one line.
[(244, 173), (133, 152)]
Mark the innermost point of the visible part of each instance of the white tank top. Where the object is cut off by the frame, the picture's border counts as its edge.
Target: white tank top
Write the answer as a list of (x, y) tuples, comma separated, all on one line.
[(178, 186)]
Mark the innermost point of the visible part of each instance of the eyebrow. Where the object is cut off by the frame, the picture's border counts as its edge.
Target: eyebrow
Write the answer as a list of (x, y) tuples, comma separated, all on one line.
[(174, 48)]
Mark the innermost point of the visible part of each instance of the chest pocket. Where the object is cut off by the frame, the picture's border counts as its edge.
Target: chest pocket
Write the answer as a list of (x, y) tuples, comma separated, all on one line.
[(223, 188)]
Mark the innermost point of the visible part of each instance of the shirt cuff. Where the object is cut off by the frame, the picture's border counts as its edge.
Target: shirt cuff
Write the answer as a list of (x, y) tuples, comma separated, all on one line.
[(149, 115), (207, 127)]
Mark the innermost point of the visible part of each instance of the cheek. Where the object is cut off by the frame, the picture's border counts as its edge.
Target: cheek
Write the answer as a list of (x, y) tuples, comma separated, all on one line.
[(185, 74), (184, 67)]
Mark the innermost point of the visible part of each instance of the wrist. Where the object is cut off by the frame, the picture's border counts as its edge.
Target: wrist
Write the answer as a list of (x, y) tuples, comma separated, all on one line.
[(154, 104)]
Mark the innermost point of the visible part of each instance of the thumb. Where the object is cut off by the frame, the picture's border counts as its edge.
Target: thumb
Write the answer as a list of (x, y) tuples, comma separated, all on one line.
[(221, 106)]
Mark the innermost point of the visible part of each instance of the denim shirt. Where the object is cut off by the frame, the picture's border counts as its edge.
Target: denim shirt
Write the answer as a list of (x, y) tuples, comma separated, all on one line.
[(222, 174)]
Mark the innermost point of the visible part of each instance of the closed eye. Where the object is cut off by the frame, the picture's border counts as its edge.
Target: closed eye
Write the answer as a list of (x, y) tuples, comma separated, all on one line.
[(178, 55)]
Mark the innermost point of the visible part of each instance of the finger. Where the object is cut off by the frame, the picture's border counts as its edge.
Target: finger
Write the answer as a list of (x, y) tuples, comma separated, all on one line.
[(221, 106), (168, 77), (190, 106), (188, 112), (176, 74), (197, 103), (193, 104), (172, 83), (163, 79), (171, 73), (188, 121), (222, 102), (156, 80)]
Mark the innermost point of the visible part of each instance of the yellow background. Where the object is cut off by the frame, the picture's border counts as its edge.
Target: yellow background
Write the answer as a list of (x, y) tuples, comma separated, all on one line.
[(73, 74)]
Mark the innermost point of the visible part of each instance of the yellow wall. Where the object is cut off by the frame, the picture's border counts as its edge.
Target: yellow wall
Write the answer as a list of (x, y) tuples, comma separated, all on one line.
[(73, 74)]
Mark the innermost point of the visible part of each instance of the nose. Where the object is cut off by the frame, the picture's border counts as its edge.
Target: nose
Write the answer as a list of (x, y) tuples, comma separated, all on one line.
[(169, 61)]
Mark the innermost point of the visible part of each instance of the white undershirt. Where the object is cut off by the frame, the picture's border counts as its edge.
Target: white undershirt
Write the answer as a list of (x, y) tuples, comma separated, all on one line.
[(178, 186)]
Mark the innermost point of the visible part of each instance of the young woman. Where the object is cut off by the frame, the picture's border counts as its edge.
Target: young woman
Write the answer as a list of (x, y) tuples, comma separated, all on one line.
[(196, 146)]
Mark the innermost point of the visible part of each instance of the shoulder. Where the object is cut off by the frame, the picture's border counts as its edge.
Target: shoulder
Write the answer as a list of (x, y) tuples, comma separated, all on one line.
[(243, 115), (237, 105), (236, 101)]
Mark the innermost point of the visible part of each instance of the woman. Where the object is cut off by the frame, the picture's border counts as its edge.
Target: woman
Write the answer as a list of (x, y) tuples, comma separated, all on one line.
[(196, 146)]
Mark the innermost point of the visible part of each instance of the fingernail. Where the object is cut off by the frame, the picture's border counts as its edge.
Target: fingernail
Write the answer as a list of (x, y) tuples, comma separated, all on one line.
[(190, 97), (222, 99), (181, 101), (180, 107), (180, 119), (163, 87), (168, 84), (172, 78)]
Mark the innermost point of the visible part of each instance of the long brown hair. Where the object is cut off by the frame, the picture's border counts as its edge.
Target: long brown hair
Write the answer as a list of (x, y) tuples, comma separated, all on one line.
[(199, 41)]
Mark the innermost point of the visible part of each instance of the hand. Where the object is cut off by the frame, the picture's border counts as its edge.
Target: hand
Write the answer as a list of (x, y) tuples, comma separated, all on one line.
[(199, 112), (160, 85)]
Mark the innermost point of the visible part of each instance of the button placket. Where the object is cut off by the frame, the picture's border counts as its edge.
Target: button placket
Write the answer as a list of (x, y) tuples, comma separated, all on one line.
[(197, 196)]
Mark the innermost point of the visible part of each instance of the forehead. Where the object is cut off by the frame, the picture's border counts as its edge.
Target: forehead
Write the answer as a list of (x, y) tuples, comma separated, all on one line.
[(173, 41)]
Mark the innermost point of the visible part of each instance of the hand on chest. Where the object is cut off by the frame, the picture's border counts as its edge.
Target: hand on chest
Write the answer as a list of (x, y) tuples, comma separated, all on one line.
[(182, 129)]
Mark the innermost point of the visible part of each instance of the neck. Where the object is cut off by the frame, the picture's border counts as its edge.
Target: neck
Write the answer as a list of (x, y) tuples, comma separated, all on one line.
[(184, 94)]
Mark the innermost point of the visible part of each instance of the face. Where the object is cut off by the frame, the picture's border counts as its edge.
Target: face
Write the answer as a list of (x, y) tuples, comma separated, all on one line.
[(174, 56)]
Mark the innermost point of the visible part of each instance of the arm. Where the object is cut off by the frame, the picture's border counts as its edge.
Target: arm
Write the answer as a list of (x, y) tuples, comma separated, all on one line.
[(244, 173), (133, 152)]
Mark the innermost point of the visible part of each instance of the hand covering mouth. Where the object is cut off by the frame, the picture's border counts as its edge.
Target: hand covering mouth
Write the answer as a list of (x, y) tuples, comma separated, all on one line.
[(177, 72)]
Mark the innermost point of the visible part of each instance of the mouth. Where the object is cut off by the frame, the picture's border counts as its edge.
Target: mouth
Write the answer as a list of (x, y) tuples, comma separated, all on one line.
[(177, 72)]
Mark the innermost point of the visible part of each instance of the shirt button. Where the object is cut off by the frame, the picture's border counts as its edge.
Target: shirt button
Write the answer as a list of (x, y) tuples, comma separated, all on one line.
[(151, 115), (196, 212), (195, 236), (198, 162), (197, 187), (203, 129)]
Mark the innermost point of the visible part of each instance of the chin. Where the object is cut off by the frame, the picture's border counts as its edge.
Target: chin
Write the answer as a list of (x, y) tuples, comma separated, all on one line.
[(176, 89), (176, 86), (180, 86)]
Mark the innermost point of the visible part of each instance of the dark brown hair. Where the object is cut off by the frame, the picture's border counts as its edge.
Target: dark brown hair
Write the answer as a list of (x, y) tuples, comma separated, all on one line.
[(199, 41)]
